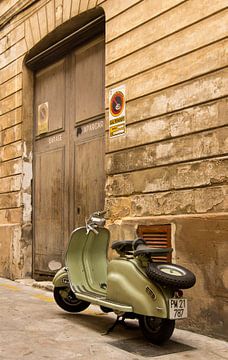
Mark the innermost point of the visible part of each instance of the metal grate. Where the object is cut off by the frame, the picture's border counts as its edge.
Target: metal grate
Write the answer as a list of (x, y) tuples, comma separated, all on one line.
[(157, 236), (140, 347)]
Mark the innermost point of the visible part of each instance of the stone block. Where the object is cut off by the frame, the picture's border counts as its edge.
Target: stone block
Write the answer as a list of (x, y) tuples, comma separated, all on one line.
[(28, 35), (92, 4), (11, 70), (42, 19), (13, 53), (12, 183), (11, 151), (58, 12), (11, 118), (50, 10), (10, 200), (75, 7), (66, 9), (12, 167), (10, 135), (11, 86), (35, 28), (83, 5), (11, 102), (10, 216)]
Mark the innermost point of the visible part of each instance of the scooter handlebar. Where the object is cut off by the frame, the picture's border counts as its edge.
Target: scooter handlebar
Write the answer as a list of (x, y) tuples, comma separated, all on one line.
[(92, 229), (99, 213), (95, 220)]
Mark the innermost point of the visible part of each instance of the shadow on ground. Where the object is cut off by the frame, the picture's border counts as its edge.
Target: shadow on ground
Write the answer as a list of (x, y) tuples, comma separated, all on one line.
[(127, 338)]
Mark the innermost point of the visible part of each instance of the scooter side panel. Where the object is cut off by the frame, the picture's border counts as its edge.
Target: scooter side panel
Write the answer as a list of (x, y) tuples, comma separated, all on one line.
[(128, 285), (61, 278), (74, 258), (86, 260), (95, 260)]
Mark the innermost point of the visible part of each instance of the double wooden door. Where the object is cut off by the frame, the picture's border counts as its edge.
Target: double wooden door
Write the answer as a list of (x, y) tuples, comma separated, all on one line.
[(68, 148)]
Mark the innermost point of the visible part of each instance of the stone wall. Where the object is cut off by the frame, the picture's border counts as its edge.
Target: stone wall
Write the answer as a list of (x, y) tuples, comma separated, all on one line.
[(171, 167)]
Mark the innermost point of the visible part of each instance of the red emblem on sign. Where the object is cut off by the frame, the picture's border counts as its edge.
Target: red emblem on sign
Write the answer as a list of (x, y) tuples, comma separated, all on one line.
[(117, 103)]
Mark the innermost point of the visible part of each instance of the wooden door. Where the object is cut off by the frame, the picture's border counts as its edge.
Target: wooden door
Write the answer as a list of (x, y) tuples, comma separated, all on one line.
[(69, 150)]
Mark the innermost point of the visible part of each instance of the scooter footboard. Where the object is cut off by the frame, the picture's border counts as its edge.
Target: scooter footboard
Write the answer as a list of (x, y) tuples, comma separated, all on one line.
[(130, 286)]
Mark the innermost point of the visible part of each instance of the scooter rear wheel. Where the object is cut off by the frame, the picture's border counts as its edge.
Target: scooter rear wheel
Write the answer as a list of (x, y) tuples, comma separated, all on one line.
[(156, 330), (67, 300)]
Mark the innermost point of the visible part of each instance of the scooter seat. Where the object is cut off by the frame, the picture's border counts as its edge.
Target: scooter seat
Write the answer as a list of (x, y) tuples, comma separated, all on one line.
[(123, 246), (145, 250)]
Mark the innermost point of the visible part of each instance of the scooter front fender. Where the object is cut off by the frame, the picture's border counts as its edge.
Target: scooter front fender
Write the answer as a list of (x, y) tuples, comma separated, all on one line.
[(61, 278)]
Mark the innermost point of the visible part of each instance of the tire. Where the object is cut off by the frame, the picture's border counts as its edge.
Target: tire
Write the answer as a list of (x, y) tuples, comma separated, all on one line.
[(172, 275), (156, 330), (67, 300)]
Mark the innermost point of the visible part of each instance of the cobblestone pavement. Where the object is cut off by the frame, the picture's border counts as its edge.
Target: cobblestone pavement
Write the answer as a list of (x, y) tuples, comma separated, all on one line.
[(33, 328)]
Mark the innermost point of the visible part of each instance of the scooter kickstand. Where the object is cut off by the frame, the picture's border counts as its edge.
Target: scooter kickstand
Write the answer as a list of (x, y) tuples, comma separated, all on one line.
[(118, 321), (122, 322), (113, 325)]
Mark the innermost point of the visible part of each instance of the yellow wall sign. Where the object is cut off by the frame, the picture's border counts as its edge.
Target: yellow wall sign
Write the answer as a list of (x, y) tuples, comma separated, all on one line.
[(117, 124)]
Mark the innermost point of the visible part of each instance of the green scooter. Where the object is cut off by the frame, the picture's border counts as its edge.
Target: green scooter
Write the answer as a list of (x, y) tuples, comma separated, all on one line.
[(132, 285)]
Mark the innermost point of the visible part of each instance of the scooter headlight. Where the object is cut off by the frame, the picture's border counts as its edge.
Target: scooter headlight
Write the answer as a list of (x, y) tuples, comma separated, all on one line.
[(98, 221)]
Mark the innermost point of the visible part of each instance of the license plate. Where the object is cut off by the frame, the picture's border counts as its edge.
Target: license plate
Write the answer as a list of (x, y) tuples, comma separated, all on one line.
[(178, 308)]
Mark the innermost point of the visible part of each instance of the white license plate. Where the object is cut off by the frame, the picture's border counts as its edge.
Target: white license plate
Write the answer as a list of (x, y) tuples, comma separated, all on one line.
[(178, 308)]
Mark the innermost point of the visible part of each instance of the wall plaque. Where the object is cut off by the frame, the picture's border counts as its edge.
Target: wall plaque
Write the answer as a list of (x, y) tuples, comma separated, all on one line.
[(42, 118)]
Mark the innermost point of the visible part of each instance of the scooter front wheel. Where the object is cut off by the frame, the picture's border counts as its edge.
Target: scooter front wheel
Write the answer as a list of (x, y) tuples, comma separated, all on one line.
[(156, 330), (67, 300)]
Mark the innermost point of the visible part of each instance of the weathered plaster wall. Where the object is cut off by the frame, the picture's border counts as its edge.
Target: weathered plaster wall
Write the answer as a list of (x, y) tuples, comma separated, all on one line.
[(172, 164), (171, 167)]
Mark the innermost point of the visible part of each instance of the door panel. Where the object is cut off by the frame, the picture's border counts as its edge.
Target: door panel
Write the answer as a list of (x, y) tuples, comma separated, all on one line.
[(50, 89), (89, 135), (51, 167), (89, 178), (49, 195), (89, 79)]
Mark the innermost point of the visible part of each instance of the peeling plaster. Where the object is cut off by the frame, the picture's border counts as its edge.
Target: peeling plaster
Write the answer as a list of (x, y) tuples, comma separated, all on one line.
[(27, 203), (15, 245), (26, 185), (27, 175), (17, 167)]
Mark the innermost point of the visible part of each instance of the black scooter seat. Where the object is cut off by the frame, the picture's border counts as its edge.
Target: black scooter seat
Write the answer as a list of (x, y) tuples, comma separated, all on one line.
[(145, 250), (122, 246)]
